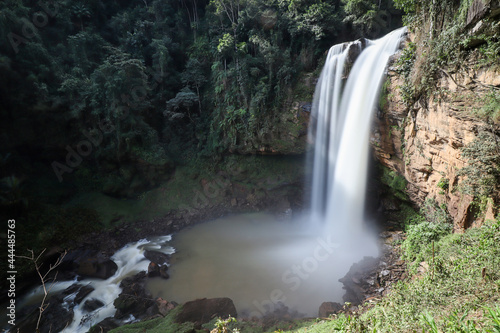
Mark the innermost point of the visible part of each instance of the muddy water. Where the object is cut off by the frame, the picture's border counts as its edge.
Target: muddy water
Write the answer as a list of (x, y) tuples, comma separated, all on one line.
[(258, 262)]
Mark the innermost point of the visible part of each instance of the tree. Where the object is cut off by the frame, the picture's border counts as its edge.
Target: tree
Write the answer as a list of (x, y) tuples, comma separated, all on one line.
[(80, 11), (195, 76), (183, 103)]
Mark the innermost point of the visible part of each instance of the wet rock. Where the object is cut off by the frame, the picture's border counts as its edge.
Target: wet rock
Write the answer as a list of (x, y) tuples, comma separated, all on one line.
[(372, 278), (328, 308), (55, 317), (164, 272), (89, 263), (307, 107), (105, 326), (278, 315), (356, 278), (157, 257), (153, 270), (164, 306), (97, 268), (134, 299), (92, 304), (203, 310), (82, 293)]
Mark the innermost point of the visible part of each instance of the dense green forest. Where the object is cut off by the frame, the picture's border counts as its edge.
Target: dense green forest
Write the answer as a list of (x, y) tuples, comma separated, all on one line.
[(136, 87)]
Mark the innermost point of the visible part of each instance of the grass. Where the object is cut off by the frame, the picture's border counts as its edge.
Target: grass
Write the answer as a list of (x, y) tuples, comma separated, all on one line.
[(163, 325)]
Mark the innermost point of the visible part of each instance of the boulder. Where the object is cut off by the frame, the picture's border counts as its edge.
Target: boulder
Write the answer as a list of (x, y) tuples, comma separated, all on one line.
[(328, 308), (356, 280), (164, 306), (97, 268), (105, 326), (203, 310), (89, 263), (135, 299), (157, 257), (82, 293), (92, 304), (153, 270)]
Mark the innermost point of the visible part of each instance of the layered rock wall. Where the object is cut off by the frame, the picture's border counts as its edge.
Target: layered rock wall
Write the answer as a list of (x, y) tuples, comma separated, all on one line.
[(423, 141)]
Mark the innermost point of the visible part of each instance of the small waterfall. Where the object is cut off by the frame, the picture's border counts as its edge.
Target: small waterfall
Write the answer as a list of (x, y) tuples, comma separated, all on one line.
[(130, 261), (340, 125)]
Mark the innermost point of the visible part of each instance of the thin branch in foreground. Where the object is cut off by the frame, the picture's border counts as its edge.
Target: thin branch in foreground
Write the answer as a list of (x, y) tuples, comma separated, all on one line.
[(47, 283)]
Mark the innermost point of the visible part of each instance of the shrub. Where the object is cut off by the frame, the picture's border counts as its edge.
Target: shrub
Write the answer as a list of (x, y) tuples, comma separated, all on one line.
[(419, 236)]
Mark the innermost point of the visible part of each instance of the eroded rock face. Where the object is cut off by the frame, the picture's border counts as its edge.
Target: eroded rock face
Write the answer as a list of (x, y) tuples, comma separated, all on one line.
[(480, 9), (423, 142)]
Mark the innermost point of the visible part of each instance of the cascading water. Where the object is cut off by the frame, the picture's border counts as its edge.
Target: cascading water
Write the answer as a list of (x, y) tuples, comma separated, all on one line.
[(263, 264), (341, 119), (130, 260)]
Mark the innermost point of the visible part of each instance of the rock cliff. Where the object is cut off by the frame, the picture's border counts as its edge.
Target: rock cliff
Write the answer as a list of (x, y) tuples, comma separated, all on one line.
[(422, 141)]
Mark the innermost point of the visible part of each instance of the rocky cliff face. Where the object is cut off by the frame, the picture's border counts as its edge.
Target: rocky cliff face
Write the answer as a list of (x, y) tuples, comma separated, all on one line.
[(423, 141)]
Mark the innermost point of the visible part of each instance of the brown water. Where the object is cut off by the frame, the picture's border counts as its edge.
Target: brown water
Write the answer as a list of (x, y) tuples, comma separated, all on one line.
[(258, 262)]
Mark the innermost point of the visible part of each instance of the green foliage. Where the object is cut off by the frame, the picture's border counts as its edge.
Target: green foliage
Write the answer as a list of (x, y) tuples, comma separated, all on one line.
[(444, 184), (395, 181), (422, 229), (404, 66), (409, 6), (361, 13), (491, 48), (163, 325), (490, 110), (384, 95), (440, 34), (454, 298), (184, 103), (434, 212), (419, 236), (222, 326), (409, 216), (226, 44), (494, 315), (483, 166), (429, 321)]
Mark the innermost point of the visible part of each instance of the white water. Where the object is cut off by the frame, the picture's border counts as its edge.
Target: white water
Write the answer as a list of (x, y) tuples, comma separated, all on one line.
[(341, 119), (130, 261), (261, 263)]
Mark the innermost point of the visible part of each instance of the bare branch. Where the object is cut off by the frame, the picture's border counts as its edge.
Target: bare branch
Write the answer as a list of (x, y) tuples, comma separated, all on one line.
[(43, 278)]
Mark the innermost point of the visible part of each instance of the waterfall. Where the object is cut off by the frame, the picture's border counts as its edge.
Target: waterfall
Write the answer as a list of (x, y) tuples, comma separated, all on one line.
[(340, 125)]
